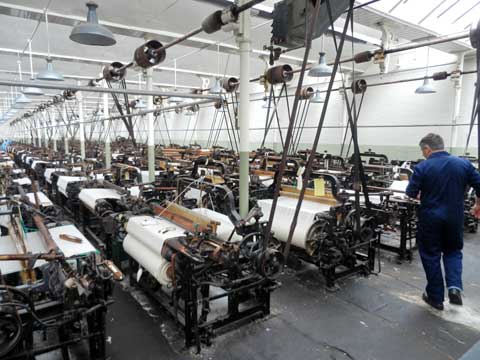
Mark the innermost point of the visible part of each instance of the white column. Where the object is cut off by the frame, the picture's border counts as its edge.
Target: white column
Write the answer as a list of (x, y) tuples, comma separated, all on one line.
[(65, 134), (81, 120), (458, 99), (44, 130), (243, 39), (347, 79), (38, 124), (151, 129), (54, 130), (106, 115), (386, 43)]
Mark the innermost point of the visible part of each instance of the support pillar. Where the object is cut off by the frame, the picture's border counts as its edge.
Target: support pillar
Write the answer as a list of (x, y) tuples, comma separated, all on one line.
[(151, 129), (458, 82), (38, 124), (65, 134), (44, 130), (243, 38), (347, 80), (54, 131), (387, 37), (106, 115), (81, 120)]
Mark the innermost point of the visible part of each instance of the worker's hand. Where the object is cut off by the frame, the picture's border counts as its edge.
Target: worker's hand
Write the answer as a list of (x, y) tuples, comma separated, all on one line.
[(476, 209)]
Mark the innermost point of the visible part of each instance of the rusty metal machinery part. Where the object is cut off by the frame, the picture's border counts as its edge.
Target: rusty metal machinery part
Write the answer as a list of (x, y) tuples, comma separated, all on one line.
[(69, 94), (149, 54), (363, 57), (218, 104), (57, 99), (305, 93), (214, 22), (230, 84), (279, 74), (194, 108), (359, 86), (93, 83), (442, 75), (10, 330), (475, 34), (114, 72), (157, 100)]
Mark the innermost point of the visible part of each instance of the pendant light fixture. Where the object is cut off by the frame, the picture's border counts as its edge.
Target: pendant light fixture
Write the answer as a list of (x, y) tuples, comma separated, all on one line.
[(317, 98), (426, 87), (321, 69), (21, 99), (33, 91), (91, 32), (10, 113), (49, 74)]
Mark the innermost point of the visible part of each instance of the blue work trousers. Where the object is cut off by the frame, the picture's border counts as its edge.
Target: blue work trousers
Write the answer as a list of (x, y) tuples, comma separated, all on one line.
[(439, 239)]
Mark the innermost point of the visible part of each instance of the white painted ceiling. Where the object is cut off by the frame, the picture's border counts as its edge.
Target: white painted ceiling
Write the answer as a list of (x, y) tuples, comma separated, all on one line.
[(175, 16)]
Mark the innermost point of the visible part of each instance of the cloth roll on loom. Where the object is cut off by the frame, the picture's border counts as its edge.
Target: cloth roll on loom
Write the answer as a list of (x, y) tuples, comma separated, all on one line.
[(284, 216)]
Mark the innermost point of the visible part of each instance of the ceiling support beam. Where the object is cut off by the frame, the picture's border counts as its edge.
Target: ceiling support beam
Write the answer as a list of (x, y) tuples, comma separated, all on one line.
[(92, 61), (96, 89)]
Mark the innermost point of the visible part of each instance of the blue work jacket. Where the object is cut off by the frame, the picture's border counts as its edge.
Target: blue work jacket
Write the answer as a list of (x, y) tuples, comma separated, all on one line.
[(441, 181)]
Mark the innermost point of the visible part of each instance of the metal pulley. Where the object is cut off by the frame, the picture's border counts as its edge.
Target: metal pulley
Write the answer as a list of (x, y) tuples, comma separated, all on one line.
[(114, 72), (149, 54), (158, 100), (359, 86), (57, 99), (230, 84), (442, 75), (363, 57), (218, 104), (93, 83), (279, 74), (269, 262), (194, 108), (214, 22), (475, 34), (69, 94), (306, 93), (11, 330)]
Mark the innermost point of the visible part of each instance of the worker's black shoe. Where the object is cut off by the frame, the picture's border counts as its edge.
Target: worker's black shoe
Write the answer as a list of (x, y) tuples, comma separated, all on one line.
[(426, 298), (455, 297)]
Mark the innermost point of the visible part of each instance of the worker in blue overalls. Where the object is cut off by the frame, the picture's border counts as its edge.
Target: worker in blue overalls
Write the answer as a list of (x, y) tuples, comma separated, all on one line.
[(440, 182)]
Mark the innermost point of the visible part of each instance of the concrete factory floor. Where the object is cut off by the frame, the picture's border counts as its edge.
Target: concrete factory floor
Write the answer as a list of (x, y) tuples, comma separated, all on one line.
[(381, 317)]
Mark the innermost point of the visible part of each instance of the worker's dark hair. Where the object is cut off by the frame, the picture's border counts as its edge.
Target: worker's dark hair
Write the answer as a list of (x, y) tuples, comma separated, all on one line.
[(434, 141)]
